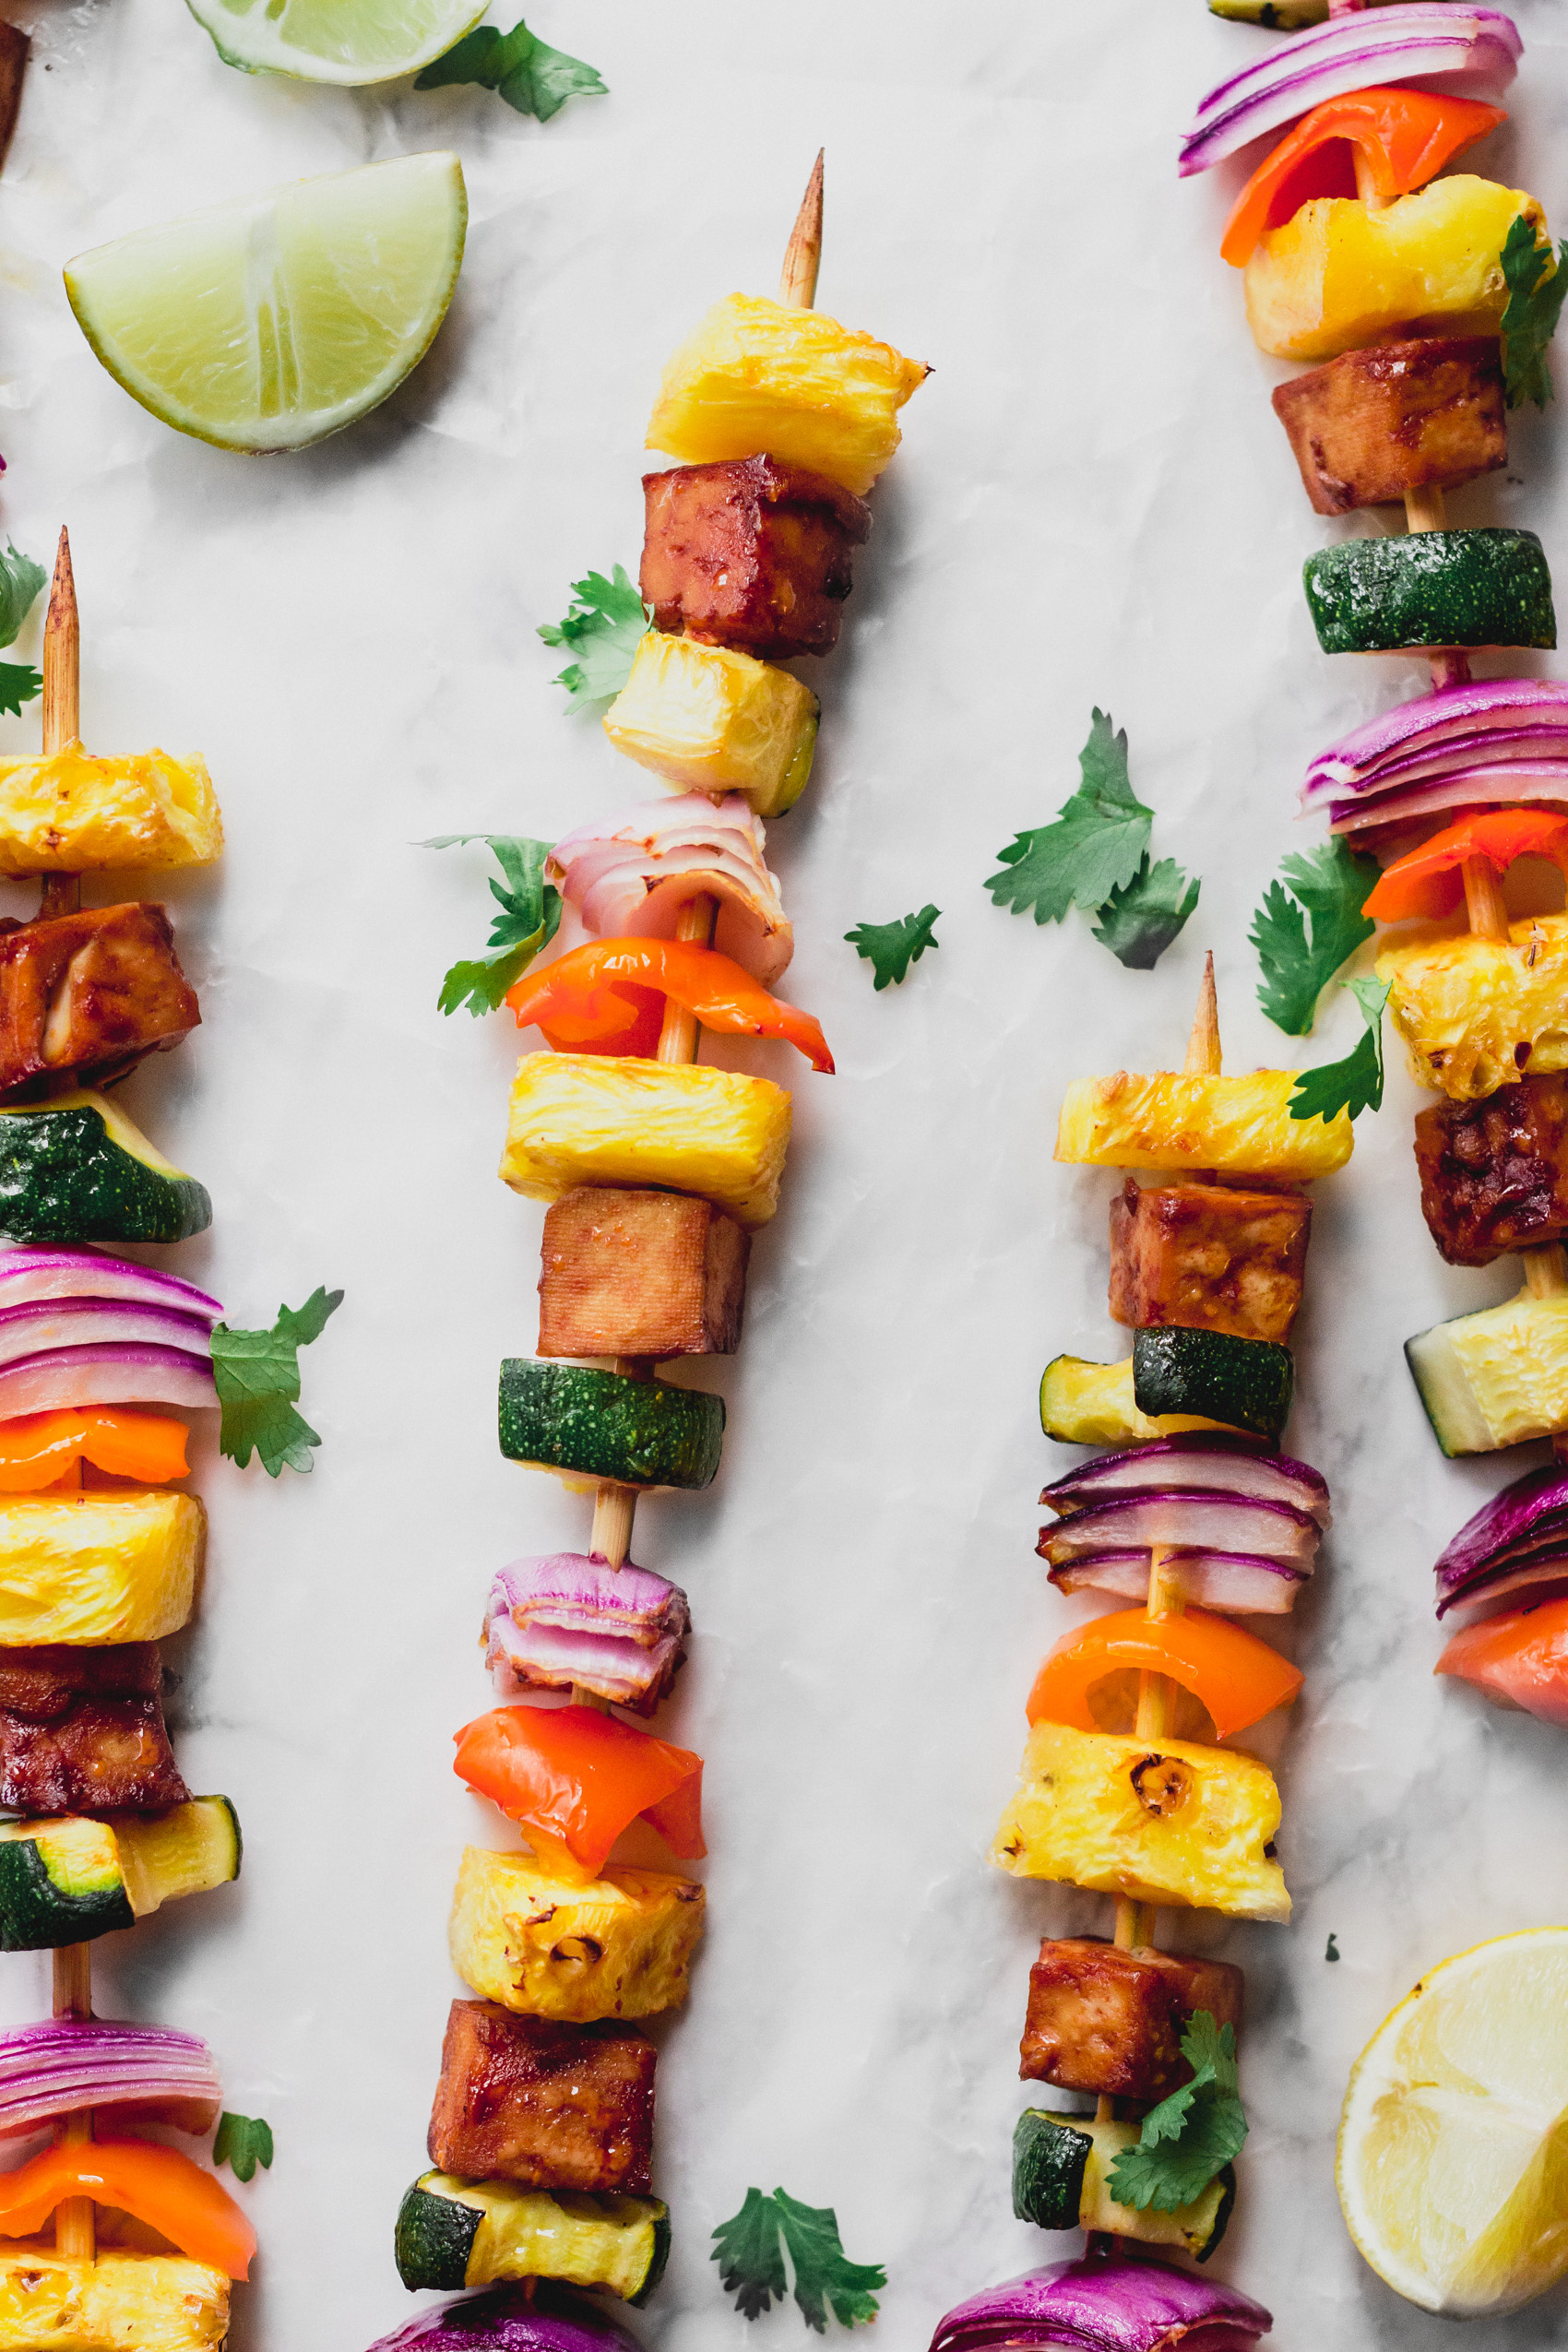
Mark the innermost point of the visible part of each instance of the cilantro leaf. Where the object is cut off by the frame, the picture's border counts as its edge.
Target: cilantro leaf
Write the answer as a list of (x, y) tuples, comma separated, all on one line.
[(1356, 1084), (243, 2143), (524, 70), (1139, 923), (750, 2255), (20, 683), (529, 917), (751, 2261), (21, 581), (1331, 1950), (605, 623), (257, 1376), (1094, 846), (1192, 2135), (1328, 887), (891, 948), (1537, 287)]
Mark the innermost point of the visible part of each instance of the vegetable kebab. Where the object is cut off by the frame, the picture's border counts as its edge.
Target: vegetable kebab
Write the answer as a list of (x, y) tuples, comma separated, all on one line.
[(1451, 790), (1198, 1518), (100, 1554), (658, 1170)]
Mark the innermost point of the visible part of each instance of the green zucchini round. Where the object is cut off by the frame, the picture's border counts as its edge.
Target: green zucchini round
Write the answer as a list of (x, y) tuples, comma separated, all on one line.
[(80, 1170), (604, 1425), (1432, 589), (1246, 1384), (453, 2233), (1049, 2161), (43, 1908)]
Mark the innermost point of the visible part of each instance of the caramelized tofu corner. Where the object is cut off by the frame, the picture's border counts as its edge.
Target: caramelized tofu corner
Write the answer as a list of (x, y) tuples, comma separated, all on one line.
[(549, 2105), (1374, 425), (1494, 1173), (82, 1731), (1108, 2021), (1209, 1257), (640, 1274), (90, 992), (750, 553)]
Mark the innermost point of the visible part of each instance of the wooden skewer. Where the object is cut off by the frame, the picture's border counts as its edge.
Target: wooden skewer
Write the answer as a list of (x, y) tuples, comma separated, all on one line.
[(61, 703), (76, 2229)]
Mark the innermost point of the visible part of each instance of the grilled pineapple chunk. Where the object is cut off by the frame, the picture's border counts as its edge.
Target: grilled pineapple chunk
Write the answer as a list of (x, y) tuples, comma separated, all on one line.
[(552, 1947), (123, 2302), (1336, 276), (70, 812), (1175, 1824), (707, 719), (1497, 1377), (1465, 1006), (1241, 1126), (792, 382), (611, 1118), (97, 1568)]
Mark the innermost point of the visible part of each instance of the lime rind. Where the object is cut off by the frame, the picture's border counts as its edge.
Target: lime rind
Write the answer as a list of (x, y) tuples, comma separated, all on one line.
[(350, 43)]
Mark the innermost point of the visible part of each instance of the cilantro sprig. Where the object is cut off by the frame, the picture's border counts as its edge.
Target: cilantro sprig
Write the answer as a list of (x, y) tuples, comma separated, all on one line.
[(604, 623), (243, 2143), (891, 948), (1536, 285), (531, 77), (750, 2250), (1309, 924), (529, 917), (1095, 856), (1355, 1084), (21, 581), (1192, 2135), (258, 1376)]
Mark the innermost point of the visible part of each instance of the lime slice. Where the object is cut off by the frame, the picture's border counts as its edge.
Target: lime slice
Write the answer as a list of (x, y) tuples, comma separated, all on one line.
[(272, 321), (335, 40), (1452, 2171)]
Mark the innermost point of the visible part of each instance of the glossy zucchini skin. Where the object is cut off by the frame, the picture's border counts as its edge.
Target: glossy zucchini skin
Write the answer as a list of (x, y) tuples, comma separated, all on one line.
[(434, 2238), (437, 2243), (1246, 1384), (1478, 587), (639, 1433), (1049, 2163), (64, 1178), (39, 1914)]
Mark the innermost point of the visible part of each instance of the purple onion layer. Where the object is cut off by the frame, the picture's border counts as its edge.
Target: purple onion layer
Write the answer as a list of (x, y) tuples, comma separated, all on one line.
[(1106, 2303), (505, 2320)]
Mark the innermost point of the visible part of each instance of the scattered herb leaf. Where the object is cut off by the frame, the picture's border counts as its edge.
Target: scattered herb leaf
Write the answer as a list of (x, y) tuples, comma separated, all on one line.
[(1192, 2135), (1326, 888), (1331, 1952), (524, 70), (529, 917), (1139, 923), (750, 2252), (20, 683), (243, 2143), (21, 581), (605, 623), (1537, 287), (891, 948), (1356, 1084), (257, 1376), (1094, 846)]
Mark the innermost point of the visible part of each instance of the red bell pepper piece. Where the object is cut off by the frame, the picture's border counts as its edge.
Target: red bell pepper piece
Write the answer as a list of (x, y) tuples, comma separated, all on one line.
[(1405, 138), (1519, 1659), (583, 1002), (1237, 1678), (37, 1449), (1429, 883), (158, 2185), (574, 1779)]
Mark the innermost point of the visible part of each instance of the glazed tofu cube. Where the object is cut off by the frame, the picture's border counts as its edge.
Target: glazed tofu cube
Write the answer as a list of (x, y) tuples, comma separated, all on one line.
[(550, 2105), (1397, 416), (1208, 1257), (640, 1274), (752, 554), (91, 993), (1108, 2021), (82, 1731), (1494, 1173)]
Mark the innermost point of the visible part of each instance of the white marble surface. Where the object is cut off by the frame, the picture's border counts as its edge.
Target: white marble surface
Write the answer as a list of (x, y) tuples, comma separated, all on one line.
[(1094, 504)]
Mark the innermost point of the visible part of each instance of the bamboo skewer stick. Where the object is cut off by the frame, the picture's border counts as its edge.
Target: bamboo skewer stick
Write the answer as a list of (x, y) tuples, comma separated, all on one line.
[(76, 2229), (61, 703)]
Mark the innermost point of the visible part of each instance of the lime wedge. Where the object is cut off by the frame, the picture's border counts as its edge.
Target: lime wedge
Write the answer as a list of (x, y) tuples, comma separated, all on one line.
[(277, 319), (335, 40)]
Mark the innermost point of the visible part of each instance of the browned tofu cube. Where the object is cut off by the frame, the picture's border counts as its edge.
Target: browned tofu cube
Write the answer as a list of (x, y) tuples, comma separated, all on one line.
[(551, 2106), (1374, 424), (1208, 1256), (90, 992), (750, 553), (640, 1274), (1104, 2020), (82, 1731), (1494, 1174)]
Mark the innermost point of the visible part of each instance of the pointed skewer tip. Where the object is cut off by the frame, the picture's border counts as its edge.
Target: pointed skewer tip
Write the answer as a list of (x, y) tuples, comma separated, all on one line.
[(1203, 1044), (802, 257)]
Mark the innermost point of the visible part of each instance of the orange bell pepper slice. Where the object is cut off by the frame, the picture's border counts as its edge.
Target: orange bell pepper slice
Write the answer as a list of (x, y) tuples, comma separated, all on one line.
[(1405, 136), (1230, 1671), (583, 1002), (159, 2185), (1428, 882), (574, 1779), (1519, 1659), (37, 1449)]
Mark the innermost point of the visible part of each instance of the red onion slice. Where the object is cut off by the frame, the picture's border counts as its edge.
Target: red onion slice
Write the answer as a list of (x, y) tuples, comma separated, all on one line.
[(1106, 2303), (30, 1271), (51, 2070), (629, 877), (1520, 1529), (109, 1373), (40, 1325), (511, 2319), (1192, 1520), (1199, 1458), (572, 1619), (1237, 1583)]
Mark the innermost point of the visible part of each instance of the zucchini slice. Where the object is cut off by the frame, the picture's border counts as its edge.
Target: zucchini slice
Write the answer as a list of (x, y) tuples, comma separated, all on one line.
[(1478, 588), (1244, 1383), (592, 1424), (1059, 2167), (455, 2233), (78, 1169), (68, 1881), (1497, 1377), (1084, 1404)]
